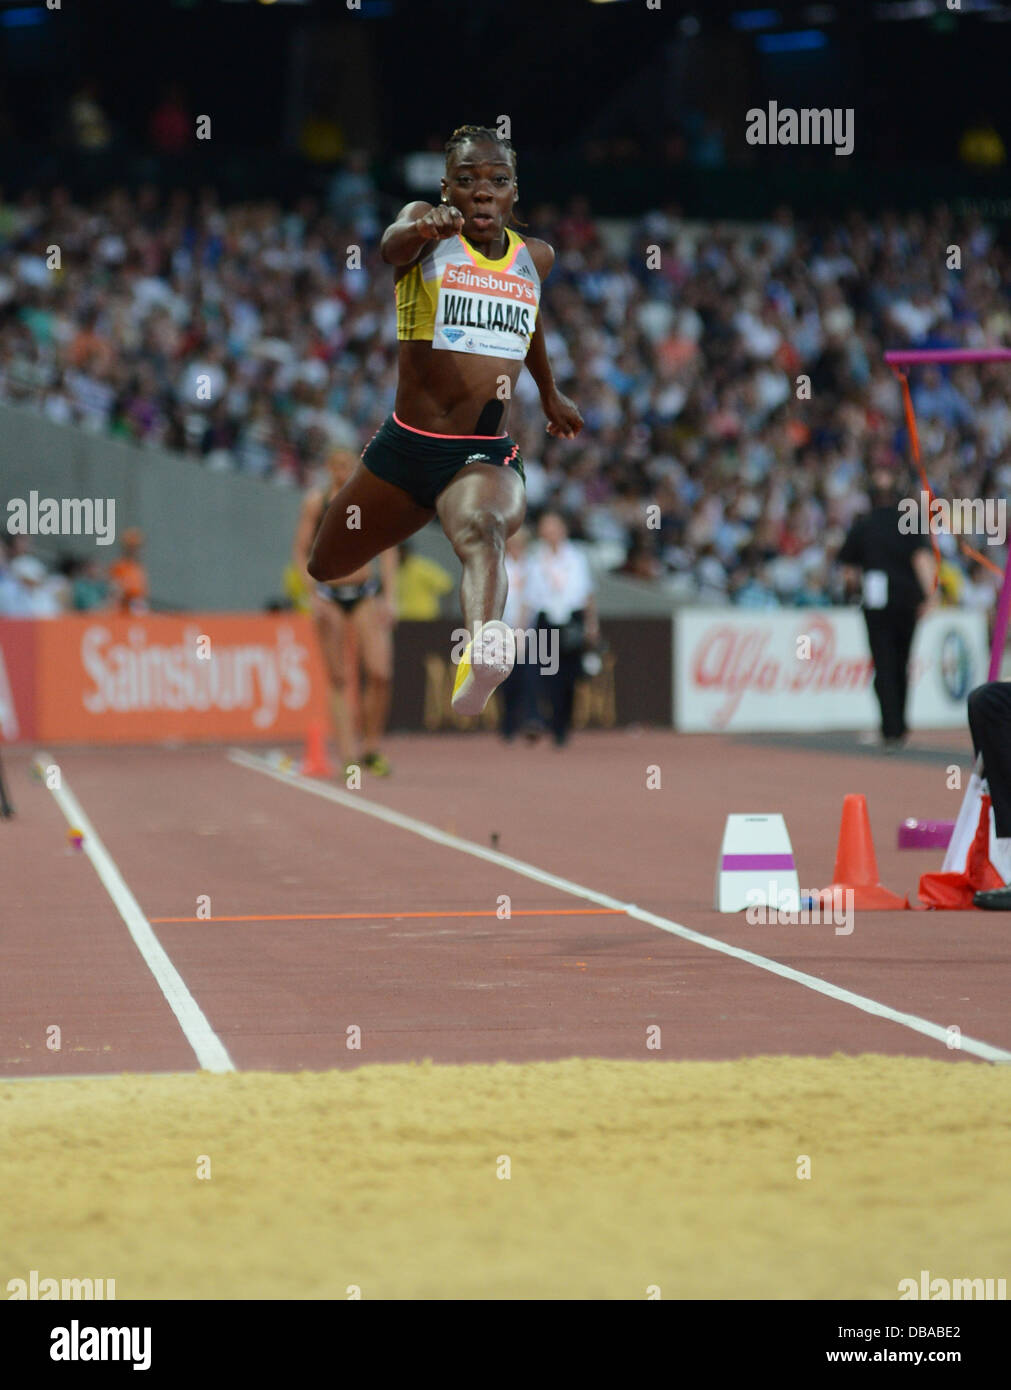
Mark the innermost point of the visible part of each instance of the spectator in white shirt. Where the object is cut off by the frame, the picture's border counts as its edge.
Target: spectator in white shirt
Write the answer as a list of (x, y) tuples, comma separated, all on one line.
[(15, 601), (559, 593), (516, 612), (40, 592)]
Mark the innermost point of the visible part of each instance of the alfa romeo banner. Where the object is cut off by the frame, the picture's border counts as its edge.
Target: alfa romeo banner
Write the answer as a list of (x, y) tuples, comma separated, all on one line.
[(811, 669)]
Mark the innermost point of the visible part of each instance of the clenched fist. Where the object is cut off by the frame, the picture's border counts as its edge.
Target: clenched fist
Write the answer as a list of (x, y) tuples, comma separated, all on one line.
[(442, 222)]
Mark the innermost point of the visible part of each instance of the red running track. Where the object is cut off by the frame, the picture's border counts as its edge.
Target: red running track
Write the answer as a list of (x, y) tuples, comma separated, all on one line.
[(283, 994)]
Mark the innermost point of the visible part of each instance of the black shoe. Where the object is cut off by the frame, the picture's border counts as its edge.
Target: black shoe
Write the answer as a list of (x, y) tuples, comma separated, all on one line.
[(993, 899)]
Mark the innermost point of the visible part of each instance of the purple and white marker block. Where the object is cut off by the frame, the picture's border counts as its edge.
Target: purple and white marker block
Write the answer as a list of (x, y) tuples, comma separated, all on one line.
[(756, 866)]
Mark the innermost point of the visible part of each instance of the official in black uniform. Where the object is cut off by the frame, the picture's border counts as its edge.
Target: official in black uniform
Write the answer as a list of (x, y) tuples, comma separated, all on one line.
[(990, 723), (896, 571)]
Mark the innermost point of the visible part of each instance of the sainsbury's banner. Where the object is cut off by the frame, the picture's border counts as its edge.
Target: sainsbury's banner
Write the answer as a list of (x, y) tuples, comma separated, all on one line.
[(196, 678), (748, 671)]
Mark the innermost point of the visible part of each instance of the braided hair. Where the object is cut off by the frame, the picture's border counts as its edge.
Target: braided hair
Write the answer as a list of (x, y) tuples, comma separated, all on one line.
[(465, 133)]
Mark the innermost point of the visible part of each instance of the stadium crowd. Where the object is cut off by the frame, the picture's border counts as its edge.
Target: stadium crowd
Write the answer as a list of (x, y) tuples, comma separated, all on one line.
[(30, 589), (730, 376)]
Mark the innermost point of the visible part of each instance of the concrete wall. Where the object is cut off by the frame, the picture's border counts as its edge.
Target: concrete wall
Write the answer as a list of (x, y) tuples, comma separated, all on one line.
[(217, 541)]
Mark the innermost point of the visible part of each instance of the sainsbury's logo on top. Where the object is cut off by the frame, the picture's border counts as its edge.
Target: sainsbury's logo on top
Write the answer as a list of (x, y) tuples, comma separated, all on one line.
[(465, 277), (193, 673)]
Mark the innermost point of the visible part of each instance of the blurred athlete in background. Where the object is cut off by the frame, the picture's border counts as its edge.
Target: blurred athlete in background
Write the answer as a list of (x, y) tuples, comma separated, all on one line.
[(354, 623), (468, 293)]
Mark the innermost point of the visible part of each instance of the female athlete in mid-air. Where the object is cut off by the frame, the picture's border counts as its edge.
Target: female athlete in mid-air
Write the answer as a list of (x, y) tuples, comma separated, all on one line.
[(468, 292)]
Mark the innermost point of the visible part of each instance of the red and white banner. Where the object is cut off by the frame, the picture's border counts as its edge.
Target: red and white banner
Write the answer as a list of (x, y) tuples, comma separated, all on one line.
[(197, 678), (741, 670)]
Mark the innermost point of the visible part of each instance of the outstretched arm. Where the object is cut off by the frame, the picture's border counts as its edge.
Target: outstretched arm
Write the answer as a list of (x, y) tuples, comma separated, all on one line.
[(417, 224)]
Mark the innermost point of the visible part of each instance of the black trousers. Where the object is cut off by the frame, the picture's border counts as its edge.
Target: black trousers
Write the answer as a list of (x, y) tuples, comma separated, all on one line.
[(519, 699), (561, 694), (558, 688), (990, 725), (890, 633)]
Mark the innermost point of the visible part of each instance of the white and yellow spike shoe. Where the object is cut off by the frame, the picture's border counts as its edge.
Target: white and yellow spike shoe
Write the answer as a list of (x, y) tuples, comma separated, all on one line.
[(487, 659)]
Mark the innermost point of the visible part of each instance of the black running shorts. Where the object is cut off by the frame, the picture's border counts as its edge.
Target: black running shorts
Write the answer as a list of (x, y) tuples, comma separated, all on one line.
[(423, 464)]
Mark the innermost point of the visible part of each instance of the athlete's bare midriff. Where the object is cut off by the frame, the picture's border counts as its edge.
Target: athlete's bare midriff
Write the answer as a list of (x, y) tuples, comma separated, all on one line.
[(445, 392)]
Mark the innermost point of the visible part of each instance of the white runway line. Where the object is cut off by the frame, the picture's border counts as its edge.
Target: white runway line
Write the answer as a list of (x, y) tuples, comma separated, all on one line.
[(354, 801), (210, 1050)]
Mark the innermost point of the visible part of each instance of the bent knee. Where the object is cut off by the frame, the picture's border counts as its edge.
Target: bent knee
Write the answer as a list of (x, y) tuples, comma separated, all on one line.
[(328, 571), (482, 528)]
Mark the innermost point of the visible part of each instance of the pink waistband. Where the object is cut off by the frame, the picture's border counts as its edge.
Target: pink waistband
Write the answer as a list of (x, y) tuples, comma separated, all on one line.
[(430, 434)]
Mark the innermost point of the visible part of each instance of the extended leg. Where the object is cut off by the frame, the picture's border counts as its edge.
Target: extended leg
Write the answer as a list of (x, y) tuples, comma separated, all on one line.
[(483, 505)]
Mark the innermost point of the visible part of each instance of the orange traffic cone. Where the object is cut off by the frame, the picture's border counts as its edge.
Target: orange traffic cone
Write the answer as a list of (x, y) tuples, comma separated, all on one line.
[(315, 763), (856, 866)]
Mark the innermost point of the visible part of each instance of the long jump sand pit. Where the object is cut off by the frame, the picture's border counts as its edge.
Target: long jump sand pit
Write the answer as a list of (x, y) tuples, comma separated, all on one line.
[(680, 1177)]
